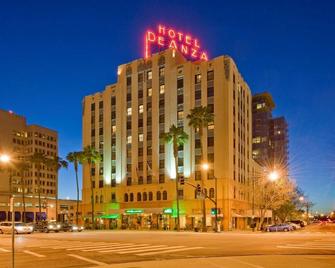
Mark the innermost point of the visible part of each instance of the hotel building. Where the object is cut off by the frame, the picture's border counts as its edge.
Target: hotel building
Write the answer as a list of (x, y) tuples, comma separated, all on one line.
[(20, 140), (134, 185)]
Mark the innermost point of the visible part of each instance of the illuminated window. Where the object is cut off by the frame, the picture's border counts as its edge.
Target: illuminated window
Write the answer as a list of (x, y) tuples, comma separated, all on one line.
[(260, 105), (113, 129), (161, 71), (198, 78), (149, 75), (256, 140), (149, 92), (140, 137), (128, 111), (161, 89), (129, 139), (180, 115), (140, 109), (211, 126)]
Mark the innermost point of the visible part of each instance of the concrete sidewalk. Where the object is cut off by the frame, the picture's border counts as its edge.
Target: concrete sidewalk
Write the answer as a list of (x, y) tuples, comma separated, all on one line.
[(270, 261)]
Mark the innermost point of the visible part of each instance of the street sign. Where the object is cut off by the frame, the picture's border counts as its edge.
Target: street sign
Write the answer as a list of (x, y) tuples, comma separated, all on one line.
[(134, 211), (167, 210)]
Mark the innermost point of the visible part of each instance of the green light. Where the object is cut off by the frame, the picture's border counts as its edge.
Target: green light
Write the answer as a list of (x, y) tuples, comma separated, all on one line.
[(110, 216), (168, 211), (134, 211)]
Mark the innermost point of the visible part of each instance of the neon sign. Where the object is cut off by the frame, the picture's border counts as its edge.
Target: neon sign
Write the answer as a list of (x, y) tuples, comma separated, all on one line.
[(166, 37)]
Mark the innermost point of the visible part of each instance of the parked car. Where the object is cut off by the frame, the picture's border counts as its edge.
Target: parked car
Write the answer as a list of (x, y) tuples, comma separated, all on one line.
[(47, 227), (300, 222), (67, 227), (282, 227), (19, 228), (294, 225)]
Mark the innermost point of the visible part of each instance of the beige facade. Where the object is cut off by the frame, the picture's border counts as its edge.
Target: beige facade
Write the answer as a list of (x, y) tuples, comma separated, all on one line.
[(20, 140), (134, 186)]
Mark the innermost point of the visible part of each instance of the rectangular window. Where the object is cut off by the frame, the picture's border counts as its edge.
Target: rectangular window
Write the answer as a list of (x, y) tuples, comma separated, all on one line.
[(113, 101), (210, 75), (128, 80), (161, 89), (180, 115), (210, 141), (180, 83), (128, 111), (140, 109), (113, 129), (197, 79), (161, 71), (161, 163), (129, 139), (210, 92), (149, 75), (180, 99), (92, 106), (101, 105), (140, 137), (140, 78), (149, 92), (197, 94)]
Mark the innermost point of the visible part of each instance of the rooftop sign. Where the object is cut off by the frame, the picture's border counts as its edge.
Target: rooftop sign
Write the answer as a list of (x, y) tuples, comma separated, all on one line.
[(167, 37)]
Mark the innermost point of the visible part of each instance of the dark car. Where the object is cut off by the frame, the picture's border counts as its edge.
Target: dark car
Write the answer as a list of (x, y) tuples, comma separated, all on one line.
[(282, 227), (69, 227), (47, 227)]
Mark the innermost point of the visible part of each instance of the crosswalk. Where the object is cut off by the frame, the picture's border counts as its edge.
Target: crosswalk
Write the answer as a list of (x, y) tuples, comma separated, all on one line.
[(138, 249), (311, 245)]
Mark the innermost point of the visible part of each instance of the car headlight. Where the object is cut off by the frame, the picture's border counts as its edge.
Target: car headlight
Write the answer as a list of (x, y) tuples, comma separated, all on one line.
[(75, 228), (58, 226), (50, 226)]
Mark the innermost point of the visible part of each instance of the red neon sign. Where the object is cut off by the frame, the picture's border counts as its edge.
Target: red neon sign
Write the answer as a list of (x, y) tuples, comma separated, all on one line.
[(167, 37)]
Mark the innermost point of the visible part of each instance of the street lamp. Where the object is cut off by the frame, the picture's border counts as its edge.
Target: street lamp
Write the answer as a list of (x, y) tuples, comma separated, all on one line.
[(273, 175), (6, 159), (205, 167)]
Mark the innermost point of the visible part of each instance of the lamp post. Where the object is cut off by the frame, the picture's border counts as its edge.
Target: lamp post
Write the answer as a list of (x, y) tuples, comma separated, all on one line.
[(5, 159), (205, 167)]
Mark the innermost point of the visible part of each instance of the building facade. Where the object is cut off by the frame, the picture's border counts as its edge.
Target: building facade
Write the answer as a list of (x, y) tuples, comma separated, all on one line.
[(134, 185), (270, 135), (20, 140)]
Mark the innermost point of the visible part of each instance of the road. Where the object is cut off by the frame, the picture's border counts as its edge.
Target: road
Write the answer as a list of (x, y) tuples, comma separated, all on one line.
[(170, 249)]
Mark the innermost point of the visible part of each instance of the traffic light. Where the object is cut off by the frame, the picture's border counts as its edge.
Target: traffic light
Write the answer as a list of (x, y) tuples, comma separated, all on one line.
[(198, 189), (182, 180)]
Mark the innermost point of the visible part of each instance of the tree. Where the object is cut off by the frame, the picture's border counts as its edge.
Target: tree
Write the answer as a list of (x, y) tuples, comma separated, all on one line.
[(271, 195), (76, 159), (199, 118), (177, 137), (22, 167), (57, 163), (91, 157), (38, 160)]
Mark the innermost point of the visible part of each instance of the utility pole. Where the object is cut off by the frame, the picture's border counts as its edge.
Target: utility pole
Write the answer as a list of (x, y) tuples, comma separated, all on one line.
[(216, 204)]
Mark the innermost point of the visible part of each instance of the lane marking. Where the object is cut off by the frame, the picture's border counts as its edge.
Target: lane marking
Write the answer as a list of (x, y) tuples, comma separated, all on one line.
[(87, 260), (124, 247), (106, 247), (4, 250), (156, 248), (166, 251), (91, 246), (304, 247), (244, 262), (34, 254)]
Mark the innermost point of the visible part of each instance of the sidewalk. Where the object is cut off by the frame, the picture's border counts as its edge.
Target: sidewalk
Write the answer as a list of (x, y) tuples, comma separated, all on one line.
[(270, 261)]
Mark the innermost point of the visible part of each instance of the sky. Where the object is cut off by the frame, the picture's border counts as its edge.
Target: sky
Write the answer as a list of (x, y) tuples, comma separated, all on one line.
[(53, 53)]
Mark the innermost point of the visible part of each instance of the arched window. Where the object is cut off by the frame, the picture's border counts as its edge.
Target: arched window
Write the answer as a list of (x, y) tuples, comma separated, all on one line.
[(145, 196), (131, 197), (158, 195), (139, 197), (101, 198), (164, 195), (150, 196), (96, 199), (211, 192), (125, 197)]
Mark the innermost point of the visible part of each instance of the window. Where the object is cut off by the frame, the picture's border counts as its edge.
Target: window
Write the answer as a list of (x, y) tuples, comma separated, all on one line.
[(210, 75), (129, 139), (101, 199), (180, 99), (161, 163), (197, 79), (92, 106), (181, 194), (145, 196), (210, 126), (161, 89), (140, 180), (161, 71), (210, 141), (131, 197), (149, 92), (96, 199), (210, 92), (197, 94), (164, 195), (129, 111), (256, 140), (180, 115), (101, 105), (150, 196), (140, 78), (113, 129), (260, 105), (128, 80), (158, 196), (149, 179), (149, 75), (113, 101), (128, 96), (140, 137), (140, 109), (180, 83), (161, 178), (139, 197)]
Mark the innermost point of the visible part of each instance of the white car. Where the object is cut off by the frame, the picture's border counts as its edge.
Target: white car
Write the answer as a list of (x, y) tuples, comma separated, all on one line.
[(19, 228)]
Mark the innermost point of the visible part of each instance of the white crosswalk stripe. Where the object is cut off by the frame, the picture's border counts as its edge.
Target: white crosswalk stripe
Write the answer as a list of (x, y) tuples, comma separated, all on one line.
[(122, 247), (314, 245), (154, 248), (167, 251)]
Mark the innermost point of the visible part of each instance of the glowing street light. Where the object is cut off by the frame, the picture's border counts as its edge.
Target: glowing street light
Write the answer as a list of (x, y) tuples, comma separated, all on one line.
[(301, 198), (205, 166), (273, 175), (4, 158)]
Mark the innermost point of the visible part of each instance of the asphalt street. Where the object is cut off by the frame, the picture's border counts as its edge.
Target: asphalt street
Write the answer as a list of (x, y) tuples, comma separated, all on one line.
[(170, 249)]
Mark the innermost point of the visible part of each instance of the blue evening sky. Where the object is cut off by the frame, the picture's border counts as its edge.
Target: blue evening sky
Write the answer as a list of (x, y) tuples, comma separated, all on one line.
[(53, 53)]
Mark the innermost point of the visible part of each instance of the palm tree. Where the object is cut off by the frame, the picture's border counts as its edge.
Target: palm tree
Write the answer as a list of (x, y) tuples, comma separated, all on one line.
[(199, 118), (177, 137), (38, 159), (91, 156), (23, 166), (76, 159), (57, 163)]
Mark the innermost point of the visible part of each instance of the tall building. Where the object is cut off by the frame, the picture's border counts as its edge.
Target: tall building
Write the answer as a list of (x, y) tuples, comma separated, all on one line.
[(134, 186), (20, 140), (270, 135)]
